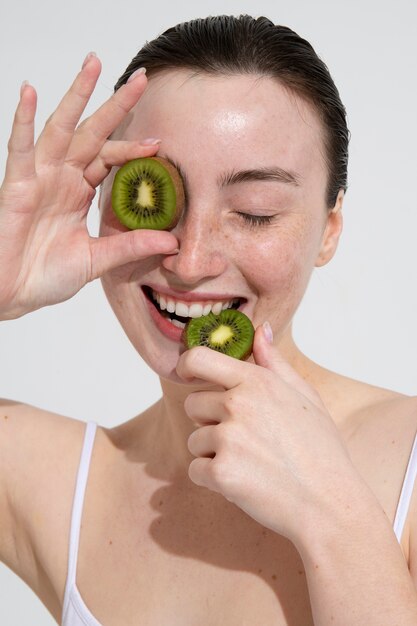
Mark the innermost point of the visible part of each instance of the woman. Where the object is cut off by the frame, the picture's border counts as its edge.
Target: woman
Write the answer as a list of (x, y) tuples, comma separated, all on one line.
[(254, 492)]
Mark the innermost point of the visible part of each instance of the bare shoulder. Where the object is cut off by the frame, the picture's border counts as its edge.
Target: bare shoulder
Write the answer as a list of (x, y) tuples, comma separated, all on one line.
[(39, 457), (380, 430), (365, 410)]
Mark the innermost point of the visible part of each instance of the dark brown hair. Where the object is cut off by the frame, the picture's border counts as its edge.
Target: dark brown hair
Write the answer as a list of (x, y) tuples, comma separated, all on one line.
[(226, 44)]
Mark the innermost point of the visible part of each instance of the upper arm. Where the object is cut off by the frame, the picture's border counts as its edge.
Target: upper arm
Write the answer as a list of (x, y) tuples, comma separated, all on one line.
[(39, 453), (7, 523)]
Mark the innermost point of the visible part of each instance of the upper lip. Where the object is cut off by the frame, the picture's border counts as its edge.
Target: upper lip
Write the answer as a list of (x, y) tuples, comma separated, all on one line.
[(193, 296)]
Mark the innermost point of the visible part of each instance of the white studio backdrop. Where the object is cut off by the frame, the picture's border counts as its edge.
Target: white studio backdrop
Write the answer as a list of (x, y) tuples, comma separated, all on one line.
[(358, 316)]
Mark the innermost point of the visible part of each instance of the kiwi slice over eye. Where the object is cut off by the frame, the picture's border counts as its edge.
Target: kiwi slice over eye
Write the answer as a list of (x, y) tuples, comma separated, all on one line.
[(230, 332), (148, 193)]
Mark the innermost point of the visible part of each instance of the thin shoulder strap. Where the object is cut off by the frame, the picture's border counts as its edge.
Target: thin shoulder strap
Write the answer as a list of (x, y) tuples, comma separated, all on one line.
[(77, 508), (406, 492)]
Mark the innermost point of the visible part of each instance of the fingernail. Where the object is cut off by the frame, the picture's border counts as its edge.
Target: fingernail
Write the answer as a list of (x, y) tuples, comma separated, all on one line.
[(141, 70), (269, 336), (150, 141), (89, 56), (22, 88)]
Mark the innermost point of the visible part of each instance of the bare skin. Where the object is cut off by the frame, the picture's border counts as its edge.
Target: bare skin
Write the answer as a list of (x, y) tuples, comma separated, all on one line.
[(203, 552)]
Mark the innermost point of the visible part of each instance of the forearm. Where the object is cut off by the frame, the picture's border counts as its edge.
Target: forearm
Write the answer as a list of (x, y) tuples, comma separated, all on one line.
[(356, 572)]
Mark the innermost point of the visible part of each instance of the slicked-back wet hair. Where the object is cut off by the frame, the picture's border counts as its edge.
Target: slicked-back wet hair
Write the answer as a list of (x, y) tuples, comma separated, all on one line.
[(231, 45)]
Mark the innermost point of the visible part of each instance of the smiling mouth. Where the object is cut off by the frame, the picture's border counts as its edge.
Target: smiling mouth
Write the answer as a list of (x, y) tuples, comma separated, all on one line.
[(179, 320)]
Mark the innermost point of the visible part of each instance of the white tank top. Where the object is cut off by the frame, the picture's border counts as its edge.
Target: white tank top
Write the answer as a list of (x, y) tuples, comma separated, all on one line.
[(76, 613)]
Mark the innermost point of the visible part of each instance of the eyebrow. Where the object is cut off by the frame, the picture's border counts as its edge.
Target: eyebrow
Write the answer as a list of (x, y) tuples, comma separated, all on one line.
[(277, 174), (233, 177)]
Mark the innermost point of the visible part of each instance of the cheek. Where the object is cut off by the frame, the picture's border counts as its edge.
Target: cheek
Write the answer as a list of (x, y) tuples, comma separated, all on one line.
[(279, 268), (282, 260)]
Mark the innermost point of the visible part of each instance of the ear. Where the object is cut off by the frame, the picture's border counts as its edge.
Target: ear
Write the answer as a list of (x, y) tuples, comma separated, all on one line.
[(332, 232)]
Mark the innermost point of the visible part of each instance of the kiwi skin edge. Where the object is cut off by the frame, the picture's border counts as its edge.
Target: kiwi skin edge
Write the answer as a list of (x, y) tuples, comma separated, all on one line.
[(178, 186), (179, 189)]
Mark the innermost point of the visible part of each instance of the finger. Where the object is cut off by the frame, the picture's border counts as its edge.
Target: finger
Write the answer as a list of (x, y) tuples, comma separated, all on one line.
[(21, 162), (202, 442), (213, 367), (115, 153), (56, 137), (269, 356), (115, 250), (205, 407), (198, 472), (95, 130)]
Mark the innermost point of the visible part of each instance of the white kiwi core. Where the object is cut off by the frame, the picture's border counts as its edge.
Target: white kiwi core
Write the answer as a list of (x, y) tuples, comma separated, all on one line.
[(145, 195), (220, 335)]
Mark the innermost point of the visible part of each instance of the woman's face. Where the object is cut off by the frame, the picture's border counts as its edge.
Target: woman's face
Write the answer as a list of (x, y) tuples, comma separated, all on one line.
[(254, 226)]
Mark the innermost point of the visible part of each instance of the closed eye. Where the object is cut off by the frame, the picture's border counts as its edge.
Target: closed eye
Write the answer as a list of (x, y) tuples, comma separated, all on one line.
[(256, 220)]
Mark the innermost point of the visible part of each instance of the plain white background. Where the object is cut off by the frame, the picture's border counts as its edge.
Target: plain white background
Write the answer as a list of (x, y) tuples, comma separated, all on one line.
[(358, 316)]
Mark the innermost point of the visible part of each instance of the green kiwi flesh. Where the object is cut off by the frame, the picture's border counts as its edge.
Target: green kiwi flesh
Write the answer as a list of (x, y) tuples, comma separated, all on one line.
[(148, 193), (230, 332)]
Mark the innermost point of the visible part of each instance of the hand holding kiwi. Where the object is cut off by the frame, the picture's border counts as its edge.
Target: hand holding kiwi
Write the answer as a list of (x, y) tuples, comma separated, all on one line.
[(46, 252)]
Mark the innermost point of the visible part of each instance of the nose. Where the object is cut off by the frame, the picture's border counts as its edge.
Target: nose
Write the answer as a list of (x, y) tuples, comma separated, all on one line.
[(202, 252)]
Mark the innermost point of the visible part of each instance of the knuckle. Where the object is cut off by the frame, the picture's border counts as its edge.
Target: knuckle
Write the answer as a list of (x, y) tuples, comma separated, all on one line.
[(217, 436), (194, 357), (229, 437), (188, 404), (231, 431), (221, 475), (233, 403), (192, 470), (191, 441), (119, 105), (216, 471)]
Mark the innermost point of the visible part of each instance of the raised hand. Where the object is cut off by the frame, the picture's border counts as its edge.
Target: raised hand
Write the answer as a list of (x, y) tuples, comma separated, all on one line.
[(46, 252), (266, 442)]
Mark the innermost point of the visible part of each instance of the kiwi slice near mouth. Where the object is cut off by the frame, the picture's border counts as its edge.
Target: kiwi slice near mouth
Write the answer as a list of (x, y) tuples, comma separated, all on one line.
[(230, 332), (148, 193)]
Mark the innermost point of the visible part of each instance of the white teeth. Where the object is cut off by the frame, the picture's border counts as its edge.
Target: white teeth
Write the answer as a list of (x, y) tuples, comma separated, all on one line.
[(181, 309), (217, 307), (177, 323), (170, 306), (195, 310), (162, 303)]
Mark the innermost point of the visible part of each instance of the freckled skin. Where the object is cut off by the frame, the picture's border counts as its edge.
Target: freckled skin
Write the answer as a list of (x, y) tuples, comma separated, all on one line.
[(210, 125)]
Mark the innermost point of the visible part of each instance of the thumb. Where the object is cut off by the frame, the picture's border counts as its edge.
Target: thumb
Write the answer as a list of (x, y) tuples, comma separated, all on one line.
[(114, 250), (267, 355)]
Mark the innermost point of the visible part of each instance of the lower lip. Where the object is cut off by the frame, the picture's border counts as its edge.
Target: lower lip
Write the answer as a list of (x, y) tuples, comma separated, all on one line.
[(163, 324)]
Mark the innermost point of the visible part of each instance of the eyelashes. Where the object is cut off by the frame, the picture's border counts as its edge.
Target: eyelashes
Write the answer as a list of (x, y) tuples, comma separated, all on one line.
[(256, 220)]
